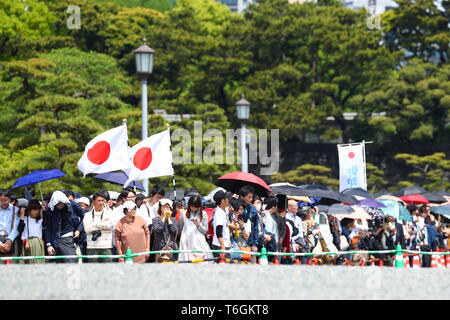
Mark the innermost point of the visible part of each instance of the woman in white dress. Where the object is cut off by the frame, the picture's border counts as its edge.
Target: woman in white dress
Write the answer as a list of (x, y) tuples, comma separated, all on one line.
[(194, 226)]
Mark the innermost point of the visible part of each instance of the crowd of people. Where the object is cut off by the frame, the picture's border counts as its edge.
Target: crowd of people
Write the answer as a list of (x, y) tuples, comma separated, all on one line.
[(103, 224)]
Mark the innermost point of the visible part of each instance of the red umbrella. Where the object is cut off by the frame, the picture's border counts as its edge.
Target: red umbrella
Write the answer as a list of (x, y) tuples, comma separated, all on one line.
[(235, 180), (414, 199)]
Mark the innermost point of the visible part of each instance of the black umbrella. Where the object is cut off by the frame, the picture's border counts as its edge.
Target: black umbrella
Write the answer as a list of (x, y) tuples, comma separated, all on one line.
[(382, 193), (340, 209), (321, 191), (409, 190), (118, 178), (323, 208), (433, 197), (346, 198), (358, 192), (289, 190), (442, 193), (170, 195), (234, 181)]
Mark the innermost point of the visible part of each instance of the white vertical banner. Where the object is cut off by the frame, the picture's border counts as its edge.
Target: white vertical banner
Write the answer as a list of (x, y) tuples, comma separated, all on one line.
[(352, 166)]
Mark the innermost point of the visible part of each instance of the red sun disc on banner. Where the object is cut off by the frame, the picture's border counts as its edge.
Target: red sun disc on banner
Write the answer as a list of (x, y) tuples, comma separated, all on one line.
[(142, 158), (351, 155), (99, 153)]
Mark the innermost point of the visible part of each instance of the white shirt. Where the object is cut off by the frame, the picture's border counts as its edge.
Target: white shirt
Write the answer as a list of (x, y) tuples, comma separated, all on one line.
[(270, 224), (6, 221), (297, 223), (153, 210), (35, 228), (103, 221), (221, 219), (146, 213), (117, 214)]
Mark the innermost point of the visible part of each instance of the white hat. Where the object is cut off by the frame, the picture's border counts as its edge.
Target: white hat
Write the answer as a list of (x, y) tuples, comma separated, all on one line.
[(83, 200), (166, 201), (129, 205), (22, 202), (113, 195)]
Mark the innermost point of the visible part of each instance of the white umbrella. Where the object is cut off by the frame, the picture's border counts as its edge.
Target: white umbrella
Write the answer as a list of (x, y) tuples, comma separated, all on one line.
[(212, 193)]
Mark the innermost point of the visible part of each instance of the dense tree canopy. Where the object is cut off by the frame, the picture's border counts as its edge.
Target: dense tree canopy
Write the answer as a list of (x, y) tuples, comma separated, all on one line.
[(296, 63)]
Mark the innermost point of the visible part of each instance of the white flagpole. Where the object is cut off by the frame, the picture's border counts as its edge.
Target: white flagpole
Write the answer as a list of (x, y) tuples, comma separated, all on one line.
[(173, 176), (364, 163)]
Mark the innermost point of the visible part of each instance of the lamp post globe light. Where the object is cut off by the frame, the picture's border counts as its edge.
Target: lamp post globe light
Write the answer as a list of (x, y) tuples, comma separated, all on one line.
[(243, 114), (144, 67)]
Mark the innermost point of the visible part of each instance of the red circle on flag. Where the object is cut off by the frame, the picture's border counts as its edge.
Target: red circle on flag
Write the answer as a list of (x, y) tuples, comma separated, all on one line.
[(99, 153), (351, 155), (142, 158)]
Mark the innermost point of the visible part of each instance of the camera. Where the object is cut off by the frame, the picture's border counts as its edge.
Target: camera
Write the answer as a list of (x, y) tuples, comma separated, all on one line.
[(3, 236), (96, 234)]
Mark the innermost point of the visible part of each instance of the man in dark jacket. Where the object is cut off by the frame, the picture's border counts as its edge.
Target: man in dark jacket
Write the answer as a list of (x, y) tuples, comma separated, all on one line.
[(399, 234), (59, 225)]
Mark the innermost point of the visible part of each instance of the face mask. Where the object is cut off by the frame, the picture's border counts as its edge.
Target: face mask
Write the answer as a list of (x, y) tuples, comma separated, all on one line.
[(258, 207)]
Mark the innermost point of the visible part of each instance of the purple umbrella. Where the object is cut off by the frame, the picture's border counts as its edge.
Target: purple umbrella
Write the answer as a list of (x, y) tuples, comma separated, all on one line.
[(371, 203)]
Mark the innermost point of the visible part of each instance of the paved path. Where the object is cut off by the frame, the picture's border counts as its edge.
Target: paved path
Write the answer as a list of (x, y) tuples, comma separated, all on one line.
[(197, 282)]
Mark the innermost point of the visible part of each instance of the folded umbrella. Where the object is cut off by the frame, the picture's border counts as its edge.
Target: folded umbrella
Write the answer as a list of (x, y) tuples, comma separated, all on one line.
[(409, 190), (118, 177), (414, 199), (236, 180)]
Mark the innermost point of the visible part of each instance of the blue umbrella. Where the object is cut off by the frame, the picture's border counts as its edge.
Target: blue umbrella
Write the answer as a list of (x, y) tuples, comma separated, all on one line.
[(118, 178), (395, 209), (442, 210), (37, 176)]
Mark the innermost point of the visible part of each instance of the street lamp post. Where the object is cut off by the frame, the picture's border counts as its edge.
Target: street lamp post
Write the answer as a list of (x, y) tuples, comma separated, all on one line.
[(144, 67), (243, 114)]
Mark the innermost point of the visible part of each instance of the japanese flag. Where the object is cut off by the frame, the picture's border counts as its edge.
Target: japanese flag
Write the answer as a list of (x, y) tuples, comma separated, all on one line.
[(151, 158), (106, 152)]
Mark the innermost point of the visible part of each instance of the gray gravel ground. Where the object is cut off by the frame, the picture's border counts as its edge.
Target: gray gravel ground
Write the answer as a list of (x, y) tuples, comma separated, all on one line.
[(198, 282)]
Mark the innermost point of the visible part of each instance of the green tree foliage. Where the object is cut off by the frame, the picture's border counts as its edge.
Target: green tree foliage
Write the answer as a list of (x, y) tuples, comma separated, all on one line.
[(419, 28), (310, 60), (160, 5), (431, 171), (308, 174), (55, 104), (296, 63), (25, 26), (376, 179), (416, 102)]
